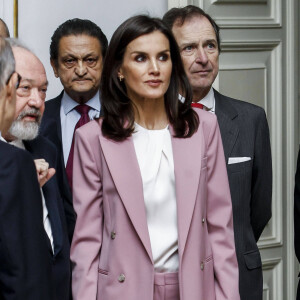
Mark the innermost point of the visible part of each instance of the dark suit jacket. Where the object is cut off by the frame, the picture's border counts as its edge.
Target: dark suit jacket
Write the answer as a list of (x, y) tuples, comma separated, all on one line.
[(25, 265), (245, 133), (51, 129), (297, 215), (42, 148)]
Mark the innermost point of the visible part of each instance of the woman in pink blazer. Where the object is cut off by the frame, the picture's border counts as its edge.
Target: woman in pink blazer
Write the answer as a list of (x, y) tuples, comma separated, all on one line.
[(150, 188)]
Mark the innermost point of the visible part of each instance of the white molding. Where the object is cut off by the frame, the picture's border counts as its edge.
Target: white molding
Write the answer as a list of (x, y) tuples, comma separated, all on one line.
[(239, 46), (182, 3), (268, 264), (292, 31), (273, 108), (258, 22), (274, 20), (177, 3), (239, 1), (276, 267), (266, 291)]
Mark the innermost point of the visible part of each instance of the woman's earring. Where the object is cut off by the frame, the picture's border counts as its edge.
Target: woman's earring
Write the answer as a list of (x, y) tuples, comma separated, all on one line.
[(121, 77)]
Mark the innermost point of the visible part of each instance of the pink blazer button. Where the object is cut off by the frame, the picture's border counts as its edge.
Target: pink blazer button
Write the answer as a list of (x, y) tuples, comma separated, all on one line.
[(202, 266), (121, 278)]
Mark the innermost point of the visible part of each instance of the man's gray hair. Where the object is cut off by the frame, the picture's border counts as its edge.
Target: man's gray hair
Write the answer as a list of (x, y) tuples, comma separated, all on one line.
[(7, 62)]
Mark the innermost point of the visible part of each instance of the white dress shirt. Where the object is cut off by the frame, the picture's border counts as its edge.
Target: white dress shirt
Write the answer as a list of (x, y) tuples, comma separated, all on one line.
[(46, 220), (69, 118), (208, 101), (1, 138), (155, 158)]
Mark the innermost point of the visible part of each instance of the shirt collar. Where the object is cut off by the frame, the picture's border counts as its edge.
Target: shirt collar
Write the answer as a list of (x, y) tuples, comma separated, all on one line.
[(69, 104), (18, 143), (209, 100), (2, 139)]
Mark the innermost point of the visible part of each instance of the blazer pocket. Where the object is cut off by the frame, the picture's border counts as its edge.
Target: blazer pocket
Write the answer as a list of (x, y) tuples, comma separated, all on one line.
[(240, 167), (203, 162), (252, 259), (101, 271)]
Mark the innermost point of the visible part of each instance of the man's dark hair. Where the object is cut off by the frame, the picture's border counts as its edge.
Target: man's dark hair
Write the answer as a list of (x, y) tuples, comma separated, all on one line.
[(117, 107), (177, 16), (76, 27), (6, 29)]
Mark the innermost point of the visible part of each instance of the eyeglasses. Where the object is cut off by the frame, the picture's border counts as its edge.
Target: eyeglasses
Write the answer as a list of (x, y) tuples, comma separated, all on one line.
[(18, 80)]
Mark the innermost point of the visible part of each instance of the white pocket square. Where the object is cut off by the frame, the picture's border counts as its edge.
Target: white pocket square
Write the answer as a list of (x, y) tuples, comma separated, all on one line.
[(236, 160)]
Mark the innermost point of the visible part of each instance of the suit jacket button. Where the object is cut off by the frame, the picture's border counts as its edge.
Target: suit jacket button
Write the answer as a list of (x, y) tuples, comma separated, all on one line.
[(202, 266), (113, 235), (203, 220), (121, 278)]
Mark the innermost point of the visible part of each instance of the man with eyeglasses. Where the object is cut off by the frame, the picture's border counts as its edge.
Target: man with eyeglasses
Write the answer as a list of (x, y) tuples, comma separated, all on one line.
[(23, 133), (24, 263)]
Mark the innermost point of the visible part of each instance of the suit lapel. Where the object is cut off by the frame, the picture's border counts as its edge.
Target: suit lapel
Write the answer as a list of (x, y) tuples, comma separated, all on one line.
[(54, 114), (51, 128), (53, 214), (122, 162), (126, 175), (187, 166), (226, 115)]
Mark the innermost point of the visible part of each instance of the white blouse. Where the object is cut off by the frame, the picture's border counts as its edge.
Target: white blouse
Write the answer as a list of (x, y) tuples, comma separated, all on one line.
[(155, 158)]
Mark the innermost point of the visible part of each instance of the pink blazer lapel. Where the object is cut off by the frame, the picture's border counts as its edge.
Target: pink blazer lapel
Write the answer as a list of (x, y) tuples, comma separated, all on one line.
[(123, 165), (122, 162), (187, 165)]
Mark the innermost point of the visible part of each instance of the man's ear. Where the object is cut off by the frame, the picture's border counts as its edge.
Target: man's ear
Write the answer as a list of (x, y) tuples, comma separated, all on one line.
[(54, 67), (8, 104), (3, 98), (10, 87)]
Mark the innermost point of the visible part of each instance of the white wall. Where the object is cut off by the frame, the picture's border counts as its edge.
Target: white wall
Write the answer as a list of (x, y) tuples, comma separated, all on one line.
[(38, 20)]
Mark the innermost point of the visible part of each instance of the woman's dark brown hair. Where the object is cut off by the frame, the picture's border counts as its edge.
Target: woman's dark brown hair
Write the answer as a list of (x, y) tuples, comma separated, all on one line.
[(117, 108)]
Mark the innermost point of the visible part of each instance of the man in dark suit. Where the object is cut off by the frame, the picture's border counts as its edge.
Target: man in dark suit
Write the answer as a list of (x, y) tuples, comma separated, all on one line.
[(297, 216), (77, 51), (245, 137), (23, 133), (24, 261)]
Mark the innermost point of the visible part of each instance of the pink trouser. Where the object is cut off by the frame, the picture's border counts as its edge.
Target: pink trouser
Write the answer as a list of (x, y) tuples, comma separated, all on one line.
[(166, 286)]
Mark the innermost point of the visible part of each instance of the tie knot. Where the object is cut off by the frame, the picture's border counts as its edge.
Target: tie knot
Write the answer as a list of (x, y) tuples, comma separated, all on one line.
[(83, 109)]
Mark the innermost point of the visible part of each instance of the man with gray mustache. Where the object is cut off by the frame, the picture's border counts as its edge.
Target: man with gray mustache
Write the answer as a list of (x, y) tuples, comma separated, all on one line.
[(29, 130), (24, 133)]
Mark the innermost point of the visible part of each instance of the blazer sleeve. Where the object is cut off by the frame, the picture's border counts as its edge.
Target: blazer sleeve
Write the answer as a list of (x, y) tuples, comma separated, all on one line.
[(87, 199), (25, 263), (219, 220), (297, 209), (261, 196)]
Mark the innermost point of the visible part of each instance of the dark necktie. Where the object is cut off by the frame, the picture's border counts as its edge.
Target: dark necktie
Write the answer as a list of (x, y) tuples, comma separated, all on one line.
[(83, 109), (198, 105)]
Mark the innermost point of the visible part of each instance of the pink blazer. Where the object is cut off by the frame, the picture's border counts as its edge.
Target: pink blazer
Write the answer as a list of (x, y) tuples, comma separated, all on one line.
[(111, 251)]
